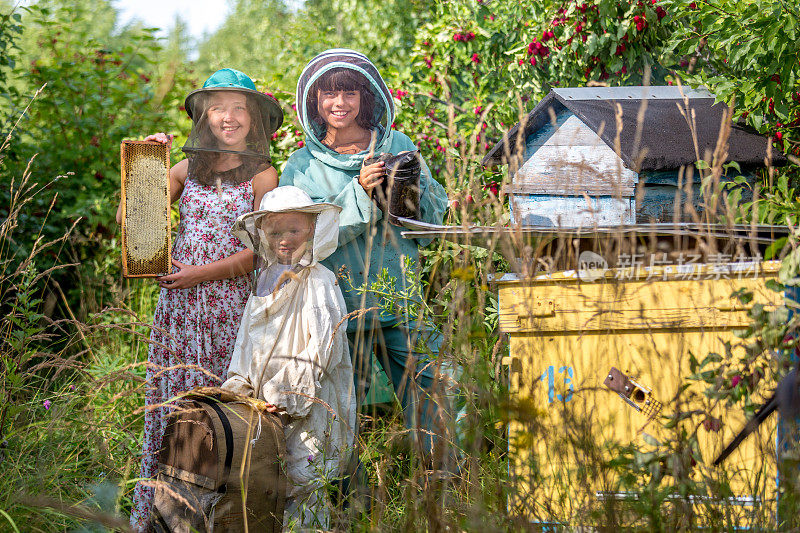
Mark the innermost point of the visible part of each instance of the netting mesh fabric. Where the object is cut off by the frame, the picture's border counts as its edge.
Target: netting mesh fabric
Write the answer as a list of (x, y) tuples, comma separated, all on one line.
[(228, 122)]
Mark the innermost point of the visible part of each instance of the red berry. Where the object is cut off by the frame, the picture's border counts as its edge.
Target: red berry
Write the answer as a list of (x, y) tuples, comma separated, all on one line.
[(779, 136)]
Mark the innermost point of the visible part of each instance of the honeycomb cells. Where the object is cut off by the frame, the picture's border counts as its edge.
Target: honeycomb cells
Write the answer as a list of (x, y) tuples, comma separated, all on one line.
[(146, 222)]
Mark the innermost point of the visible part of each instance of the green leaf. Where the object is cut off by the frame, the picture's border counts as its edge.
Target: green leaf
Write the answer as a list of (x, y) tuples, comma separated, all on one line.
[(775, 248)]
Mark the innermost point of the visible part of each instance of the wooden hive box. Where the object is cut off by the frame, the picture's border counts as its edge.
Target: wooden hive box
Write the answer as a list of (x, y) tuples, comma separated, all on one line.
[(565, 337), (146, 228), (605, 156), (570, 178)]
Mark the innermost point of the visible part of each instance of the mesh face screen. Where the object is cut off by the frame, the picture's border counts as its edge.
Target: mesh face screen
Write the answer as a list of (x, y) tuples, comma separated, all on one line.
[(146, 239)]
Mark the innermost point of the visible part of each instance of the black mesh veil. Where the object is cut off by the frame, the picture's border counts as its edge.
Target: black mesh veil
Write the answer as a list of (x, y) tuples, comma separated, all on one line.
[(228, 122)]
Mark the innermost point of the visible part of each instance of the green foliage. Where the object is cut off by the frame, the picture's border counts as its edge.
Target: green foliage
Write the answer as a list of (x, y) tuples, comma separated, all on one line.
[(94, 94), (10, 30), (252, 39), (94, 97), (747, 53)]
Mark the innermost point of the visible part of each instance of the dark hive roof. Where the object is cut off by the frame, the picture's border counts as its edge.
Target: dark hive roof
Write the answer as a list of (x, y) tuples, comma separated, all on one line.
[(666, 140)]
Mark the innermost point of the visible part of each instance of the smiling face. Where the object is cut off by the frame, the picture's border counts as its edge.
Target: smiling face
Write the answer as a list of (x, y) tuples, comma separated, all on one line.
[(339, 108), (228, 119), (288, 234)]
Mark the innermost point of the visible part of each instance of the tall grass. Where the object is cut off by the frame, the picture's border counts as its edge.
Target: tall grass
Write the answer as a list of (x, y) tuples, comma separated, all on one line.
[(69, 389)]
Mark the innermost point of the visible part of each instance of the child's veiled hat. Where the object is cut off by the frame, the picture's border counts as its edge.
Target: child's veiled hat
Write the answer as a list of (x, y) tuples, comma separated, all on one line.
[(291, 199), (266, 115), (229, 79)]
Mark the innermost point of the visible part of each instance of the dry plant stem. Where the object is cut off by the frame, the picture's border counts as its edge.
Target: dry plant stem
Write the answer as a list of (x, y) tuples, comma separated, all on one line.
[(77, 511), (24, 113), (373, 137), (637, 138), (78, 325)]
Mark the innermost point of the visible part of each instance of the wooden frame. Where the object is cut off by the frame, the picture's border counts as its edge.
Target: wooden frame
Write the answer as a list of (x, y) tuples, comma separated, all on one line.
[(148, 201)]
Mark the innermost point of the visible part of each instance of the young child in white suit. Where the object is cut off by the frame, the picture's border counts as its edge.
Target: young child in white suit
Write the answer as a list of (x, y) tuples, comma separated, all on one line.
[(291, 350)]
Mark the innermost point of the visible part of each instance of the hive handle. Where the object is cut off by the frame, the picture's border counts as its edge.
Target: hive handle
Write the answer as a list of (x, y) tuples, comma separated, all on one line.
[(730, 307), (538, 309)]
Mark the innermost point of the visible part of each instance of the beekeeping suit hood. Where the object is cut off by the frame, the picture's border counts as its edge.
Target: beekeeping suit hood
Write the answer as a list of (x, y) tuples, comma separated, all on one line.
[(382, 118), (291, 199)]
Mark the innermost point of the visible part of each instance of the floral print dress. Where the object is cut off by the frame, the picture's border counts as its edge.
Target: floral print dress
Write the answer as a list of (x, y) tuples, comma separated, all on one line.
[(194, 329)]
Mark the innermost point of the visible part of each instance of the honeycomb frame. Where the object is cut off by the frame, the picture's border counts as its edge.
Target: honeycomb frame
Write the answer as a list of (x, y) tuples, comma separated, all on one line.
[(146, 209)]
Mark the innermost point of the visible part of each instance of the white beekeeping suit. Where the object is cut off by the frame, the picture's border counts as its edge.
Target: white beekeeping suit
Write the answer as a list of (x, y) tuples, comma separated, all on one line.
[(291, 351)]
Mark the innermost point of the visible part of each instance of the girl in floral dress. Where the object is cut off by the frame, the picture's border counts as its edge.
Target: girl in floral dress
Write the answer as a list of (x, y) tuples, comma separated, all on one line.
[(226, 173)]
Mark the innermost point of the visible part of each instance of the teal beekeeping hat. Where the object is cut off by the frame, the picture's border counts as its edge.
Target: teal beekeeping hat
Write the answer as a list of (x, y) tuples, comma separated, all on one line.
[(228, 79)]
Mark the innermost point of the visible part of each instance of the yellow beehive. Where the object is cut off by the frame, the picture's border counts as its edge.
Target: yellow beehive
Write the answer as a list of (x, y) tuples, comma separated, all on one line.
[(566, 336), (146, 232)]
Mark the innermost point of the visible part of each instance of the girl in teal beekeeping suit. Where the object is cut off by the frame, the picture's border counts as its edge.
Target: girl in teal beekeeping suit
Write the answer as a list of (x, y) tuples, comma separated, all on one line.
[(347, 112)]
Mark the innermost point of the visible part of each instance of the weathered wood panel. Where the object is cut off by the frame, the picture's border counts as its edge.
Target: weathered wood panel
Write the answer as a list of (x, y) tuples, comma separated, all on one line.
[(568, 158), (571, 211)]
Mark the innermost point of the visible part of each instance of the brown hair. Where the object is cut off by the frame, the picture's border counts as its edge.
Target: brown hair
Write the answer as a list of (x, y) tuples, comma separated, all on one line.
[(203, 161), (343, 79)]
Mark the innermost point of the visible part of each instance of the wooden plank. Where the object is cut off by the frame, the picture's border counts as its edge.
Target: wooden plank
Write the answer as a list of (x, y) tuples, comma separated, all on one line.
[(633, 304), (609, 320), (571, 211), (597, 190), (557, 169)]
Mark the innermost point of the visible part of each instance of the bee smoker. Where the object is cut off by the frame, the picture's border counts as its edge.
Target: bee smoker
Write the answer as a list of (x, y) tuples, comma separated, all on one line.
[(398, 195)]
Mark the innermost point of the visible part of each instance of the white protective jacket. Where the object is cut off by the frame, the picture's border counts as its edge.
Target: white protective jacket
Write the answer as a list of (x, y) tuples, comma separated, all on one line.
[(291, 350)]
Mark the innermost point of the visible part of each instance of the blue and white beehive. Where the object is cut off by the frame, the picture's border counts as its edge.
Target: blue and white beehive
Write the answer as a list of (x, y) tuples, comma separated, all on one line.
[(586, 155)]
